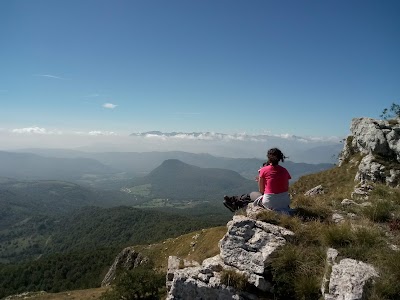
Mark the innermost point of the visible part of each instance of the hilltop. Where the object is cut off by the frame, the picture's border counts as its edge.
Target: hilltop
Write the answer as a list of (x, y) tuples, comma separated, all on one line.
[(177, 180), (346, 225)]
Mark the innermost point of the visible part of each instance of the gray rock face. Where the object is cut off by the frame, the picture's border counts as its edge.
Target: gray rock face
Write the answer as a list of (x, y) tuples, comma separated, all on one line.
[(369, 170), (202, 282), (374, 139), (393, 138), (127, 259), (349, 279), (245, 249), (318, 190), (368, 136), (248, 243)]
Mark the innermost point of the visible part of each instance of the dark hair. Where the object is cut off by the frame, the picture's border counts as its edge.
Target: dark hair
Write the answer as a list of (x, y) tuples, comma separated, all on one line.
[(275, 155)]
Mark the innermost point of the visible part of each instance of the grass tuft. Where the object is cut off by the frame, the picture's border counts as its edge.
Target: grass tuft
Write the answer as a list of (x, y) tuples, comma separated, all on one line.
[(297, 271), (379, 211), (237, 280)]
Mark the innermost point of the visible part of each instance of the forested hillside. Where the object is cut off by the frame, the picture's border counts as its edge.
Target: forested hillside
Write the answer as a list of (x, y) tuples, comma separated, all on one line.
[(74, 251)]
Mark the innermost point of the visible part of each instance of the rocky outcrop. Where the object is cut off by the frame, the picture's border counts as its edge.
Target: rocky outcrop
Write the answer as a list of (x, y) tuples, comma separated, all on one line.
[(378, 142), (245, 249), (318, 190), (127, 259), (348, 278)]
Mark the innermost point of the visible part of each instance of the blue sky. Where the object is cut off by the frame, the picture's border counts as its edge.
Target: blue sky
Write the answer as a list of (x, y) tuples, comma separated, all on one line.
[(299, 67)]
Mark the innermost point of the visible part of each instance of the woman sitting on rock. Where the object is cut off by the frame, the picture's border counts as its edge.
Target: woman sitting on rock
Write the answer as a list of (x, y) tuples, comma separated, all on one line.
[(273, 185)]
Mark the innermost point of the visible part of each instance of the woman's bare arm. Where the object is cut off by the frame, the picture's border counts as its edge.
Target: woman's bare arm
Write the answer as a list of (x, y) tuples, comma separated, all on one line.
[(261, 184)]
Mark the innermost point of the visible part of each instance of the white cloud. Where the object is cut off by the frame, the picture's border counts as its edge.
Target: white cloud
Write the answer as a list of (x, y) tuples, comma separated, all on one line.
[(49, 76), (213, 136), (98, 132), (35, 130), (109, 105)]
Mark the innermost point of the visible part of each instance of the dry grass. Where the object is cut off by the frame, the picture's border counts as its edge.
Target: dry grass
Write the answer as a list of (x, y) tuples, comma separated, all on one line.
[(196, 246), (89, 294), (234, 279)]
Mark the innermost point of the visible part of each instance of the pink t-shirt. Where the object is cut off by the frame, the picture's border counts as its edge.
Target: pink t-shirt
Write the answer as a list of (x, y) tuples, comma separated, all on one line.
[(276, 179)]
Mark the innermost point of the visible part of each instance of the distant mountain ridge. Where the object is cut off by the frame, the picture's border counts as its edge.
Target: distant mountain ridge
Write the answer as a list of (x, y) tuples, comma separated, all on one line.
[(34, 166), (177, 180), (141, 163)]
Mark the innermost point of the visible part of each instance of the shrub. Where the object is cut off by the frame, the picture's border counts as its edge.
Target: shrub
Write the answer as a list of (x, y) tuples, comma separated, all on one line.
[(139, 283), (392, 112), (234, 279)]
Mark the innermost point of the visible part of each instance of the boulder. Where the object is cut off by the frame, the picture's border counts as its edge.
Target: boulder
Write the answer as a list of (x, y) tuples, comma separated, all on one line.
[(378, 142), (368, 136), (248, 243), (244, 249), (348, 280)]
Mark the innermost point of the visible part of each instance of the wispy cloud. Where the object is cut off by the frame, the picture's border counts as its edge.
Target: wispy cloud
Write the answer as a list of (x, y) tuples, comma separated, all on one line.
[(35, 130), (95, 95), (213, 136), (187, 113), (49, 76), (43, 131), (97, 132), (109, 105)]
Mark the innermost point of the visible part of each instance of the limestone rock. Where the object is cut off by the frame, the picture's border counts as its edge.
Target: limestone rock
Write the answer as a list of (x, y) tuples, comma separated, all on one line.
[(245, 249), (337, 218), (253, 210), (318, 190), (370, 170), (348, 280), (368, 136), (374, 138), (393, 138), (127, 259), (394, 179), (248, 243), (348, 202), (174, 264), (331, 255)]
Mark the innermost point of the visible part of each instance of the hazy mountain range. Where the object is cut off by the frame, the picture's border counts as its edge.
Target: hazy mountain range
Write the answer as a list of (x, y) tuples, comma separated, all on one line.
[(108, 169)]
